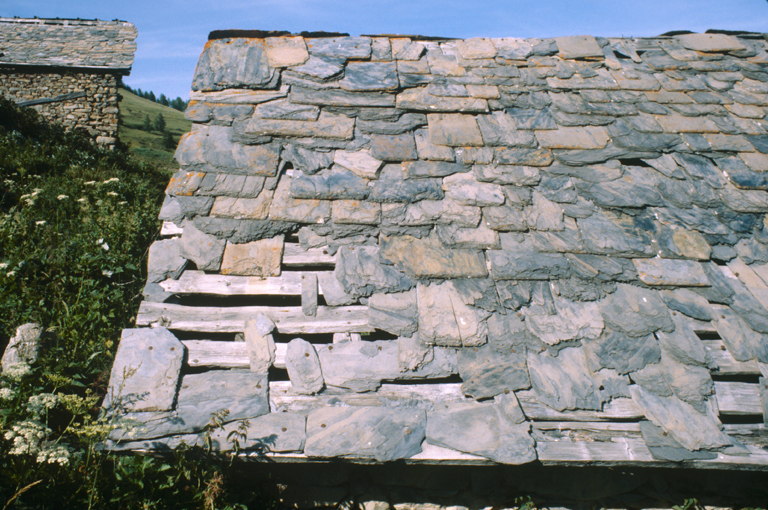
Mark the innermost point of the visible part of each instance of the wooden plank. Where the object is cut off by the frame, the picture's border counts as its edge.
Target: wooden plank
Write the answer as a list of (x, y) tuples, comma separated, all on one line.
[(346, 319), (198, 282), (284, 399), (219, 354), (737, 398), (432, 453), (633, 451), (294, 255), (621, 452), (700, 326), (726, 363), (57, 99), (170, 229)]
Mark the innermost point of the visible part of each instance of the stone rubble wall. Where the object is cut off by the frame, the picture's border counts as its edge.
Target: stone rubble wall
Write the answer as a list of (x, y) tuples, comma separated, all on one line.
[(95, 113), (67, 43), (542, 250)]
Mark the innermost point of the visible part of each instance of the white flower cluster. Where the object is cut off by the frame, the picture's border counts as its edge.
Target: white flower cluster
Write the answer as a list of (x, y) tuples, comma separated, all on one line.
[(42, 402), (17, 371), (28, 438), (54, 454), (7, 393), (113, 179)]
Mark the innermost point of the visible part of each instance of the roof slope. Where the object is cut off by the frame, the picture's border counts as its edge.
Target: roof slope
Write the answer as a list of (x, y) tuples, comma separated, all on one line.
[(67, 43), (521, 249)]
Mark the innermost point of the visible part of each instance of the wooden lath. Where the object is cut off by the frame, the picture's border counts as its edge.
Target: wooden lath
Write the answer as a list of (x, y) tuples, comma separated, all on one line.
[(291, 320)]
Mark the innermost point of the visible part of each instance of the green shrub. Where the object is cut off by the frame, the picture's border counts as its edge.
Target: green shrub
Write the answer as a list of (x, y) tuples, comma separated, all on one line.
[(76, 222)]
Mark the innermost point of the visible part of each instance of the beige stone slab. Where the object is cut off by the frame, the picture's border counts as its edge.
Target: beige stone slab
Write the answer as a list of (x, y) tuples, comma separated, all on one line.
[(479, 47), (637, 81), (429, 151), (603, 81), (578, 46), (755, 160), (244, 208), (184, 183), (360, 163), (746, 111), (680, 124), (484, 91), (666, 97), (680, 273), (444, 65), (736, 143), (420, 66), (257, 258), (419, 99), (238, 96), (454, 130), (405, 49), (691, 244), (356, 212), (286, 51), (430, 258), (299, 210), (710, 42), (327, 125), (588, 137)]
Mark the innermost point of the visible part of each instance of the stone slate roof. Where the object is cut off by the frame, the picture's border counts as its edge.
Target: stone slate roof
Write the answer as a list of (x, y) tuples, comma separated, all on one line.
[(67, 43), (463, 251)]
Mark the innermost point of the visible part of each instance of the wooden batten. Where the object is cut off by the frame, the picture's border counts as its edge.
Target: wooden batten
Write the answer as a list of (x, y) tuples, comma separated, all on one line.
[(199, 282), (294, 255), (290, 320)]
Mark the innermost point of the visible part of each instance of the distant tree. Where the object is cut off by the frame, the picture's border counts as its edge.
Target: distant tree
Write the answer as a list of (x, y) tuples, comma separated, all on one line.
[(179, 104), (147, 126), (168, 141), (159, 123), (163, 100), (151, 96)]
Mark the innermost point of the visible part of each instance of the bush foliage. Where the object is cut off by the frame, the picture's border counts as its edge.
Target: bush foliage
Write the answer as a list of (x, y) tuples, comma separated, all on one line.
[(76, 222)]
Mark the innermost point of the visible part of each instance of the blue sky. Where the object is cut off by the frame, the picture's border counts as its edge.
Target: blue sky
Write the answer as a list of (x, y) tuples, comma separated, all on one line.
[(172, 32)]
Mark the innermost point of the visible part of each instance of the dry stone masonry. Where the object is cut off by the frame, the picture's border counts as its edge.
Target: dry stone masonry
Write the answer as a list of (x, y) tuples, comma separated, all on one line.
[(463, 252), (68, 70)]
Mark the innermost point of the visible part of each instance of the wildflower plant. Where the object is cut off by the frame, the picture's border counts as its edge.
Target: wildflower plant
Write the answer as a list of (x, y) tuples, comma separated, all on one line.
[(76, 223)]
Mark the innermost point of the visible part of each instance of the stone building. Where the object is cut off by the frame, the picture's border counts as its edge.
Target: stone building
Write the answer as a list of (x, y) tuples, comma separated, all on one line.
[(484, 252), (68, 70)]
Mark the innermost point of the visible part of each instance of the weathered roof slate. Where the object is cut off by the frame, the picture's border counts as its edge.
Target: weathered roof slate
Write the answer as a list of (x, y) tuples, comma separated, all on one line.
[(564, 240), (67, 43)]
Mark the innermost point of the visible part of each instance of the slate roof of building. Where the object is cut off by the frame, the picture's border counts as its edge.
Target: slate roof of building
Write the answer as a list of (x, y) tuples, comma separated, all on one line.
[(471, 251), (67, 43)]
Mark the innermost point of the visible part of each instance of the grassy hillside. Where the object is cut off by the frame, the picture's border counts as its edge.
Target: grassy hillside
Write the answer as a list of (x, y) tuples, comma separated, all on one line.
[(149, 146)]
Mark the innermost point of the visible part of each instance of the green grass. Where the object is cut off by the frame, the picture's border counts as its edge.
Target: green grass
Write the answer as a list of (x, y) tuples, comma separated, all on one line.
[(146, 146)]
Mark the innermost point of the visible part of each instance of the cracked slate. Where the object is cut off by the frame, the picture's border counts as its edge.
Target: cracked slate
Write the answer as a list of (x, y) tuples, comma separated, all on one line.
[(481, 429), (382, 433)]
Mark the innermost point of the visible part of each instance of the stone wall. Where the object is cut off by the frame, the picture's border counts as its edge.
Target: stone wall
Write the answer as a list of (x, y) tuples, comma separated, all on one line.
[(95, 110)]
